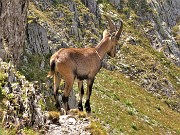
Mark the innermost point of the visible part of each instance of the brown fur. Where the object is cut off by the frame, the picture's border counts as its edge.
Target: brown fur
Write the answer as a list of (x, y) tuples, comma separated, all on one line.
[(81, 63)]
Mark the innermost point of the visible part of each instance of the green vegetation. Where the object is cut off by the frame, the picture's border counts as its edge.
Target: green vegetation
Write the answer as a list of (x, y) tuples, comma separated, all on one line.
[(32, 69), (141, 60), (136, 111), (119, 103), (3, 131), (29, 131), (55, 2), (96, 128), (175, 32), (2, 77), (2, 82), (102, 1), (54, 116)]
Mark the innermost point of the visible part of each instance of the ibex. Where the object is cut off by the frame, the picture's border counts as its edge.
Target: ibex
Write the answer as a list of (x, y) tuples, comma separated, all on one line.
[(83, 64)]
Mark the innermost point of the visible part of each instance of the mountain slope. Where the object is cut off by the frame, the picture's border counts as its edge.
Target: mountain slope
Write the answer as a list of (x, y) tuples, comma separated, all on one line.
[(124, 107), (140, 91)]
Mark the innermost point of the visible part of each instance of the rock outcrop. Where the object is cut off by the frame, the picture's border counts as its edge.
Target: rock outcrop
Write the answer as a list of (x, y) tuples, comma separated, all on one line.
[(13, 24), (37, 41), (21, 100), (70, 125), (92, 5), (25, 105), (116, 3), (165, 15)]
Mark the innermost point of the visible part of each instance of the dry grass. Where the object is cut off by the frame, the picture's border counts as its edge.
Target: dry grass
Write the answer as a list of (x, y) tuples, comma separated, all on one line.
[(79, 114), (149, 115), (40, 14), (96, 129), (53, 116)]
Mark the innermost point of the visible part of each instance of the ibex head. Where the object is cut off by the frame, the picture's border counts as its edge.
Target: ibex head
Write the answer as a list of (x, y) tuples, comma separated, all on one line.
[(114, 36)]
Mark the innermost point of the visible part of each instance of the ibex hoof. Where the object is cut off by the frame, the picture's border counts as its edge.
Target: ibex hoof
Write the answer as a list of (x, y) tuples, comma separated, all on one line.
[(57, 105), (80, 107), (88, 109), (87, 106)]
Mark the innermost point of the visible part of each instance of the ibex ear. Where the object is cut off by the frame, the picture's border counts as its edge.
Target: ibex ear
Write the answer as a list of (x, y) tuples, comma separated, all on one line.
[(105, 33)]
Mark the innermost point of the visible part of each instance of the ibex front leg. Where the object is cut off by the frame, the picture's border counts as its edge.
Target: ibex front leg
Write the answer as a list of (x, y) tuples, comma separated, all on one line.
[(88, 94), (81, 93)]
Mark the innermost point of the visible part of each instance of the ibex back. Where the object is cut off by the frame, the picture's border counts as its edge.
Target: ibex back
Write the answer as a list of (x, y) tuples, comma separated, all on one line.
[(83, 64)]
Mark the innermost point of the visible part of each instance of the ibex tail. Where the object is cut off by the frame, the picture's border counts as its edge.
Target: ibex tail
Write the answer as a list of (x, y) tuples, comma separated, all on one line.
[(51, 73)]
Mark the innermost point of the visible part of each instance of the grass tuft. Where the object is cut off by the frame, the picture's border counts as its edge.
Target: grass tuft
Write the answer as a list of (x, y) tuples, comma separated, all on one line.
[(96, 129), (54, 116)]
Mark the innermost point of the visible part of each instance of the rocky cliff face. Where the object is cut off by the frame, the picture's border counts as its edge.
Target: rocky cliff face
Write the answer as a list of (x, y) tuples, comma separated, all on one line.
[(116, 3), (166, 15), (54, 25), (13, 25), (163, 16), (37, 41), (92, 5), (21, 100)]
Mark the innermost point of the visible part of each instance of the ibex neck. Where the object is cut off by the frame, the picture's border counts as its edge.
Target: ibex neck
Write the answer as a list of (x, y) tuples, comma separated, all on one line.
[(102, 48)]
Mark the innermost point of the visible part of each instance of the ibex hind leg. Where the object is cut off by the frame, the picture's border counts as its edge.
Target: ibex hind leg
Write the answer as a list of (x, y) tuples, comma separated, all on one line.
[(57, 81), (69, 80), (81, 93)]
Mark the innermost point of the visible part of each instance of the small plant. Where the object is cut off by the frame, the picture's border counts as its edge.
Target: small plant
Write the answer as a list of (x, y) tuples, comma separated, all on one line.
[(3, 131), (53, 116), (130, 112), (134, 126), (1, 96), (126, 11), (96, 129), (2, 76), (115, 96), (175, 29), (55, 2), (10, 96), (76, 112), (43, 105), (28, 131), (128, 103), (102, 1), (82, 114)]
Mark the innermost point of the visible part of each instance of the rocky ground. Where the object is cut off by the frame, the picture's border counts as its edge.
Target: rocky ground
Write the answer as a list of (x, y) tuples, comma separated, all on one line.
[(23, 106), (69, 124)]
